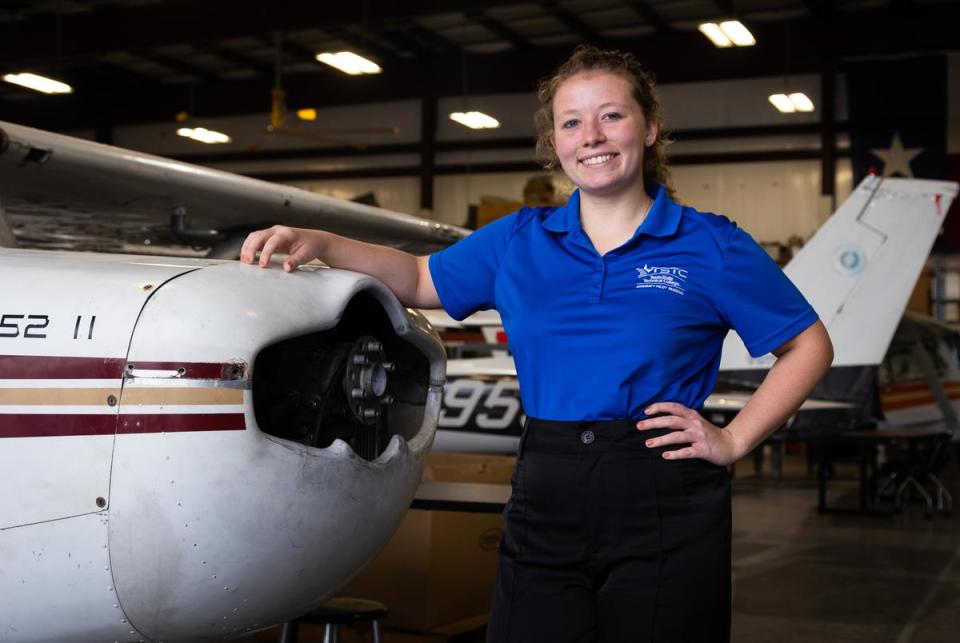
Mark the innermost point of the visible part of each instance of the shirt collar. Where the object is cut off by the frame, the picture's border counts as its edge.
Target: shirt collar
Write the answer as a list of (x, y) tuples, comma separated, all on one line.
[(662, 220)]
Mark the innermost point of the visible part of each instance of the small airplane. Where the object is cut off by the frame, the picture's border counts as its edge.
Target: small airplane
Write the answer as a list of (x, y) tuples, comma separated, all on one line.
[(857, 271), (194, 449)]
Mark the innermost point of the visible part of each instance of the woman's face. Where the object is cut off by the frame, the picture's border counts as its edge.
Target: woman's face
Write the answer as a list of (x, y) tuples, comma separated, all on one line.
[(600, 132)]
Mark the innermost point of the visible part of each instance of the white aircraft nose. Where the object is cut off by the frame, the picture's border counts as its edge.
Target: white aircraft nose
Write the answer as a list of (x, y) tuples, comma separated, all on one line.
[(283, 466)]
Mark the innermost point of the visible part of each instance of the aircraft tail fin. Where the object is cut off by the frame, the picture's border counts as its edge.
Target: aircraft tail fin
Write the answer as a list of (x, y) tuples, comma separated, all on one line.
[(860, 267)]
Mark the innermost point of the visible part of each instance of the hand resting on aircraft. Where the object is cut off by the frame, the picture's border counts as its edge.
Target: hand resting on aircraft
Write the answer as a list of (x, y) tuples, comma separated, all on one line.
[(301, 246), (406, 275)]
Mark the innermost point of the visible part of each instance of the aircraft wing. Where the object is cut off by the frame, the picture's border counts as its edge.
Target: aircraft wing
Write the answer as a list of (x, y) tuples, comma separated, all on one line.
[(99, 186)]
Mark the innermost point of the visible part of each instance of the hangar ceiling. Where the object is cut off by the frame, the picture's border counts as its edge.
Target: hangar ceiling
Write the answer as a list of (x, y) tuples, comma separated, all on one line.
[(134, 61)]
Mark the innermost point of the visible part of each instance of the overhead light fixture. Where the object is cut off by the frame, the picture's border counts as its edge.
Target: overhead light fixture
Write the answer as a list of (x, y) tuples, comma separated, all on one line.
[(801, 102), (475, 120), (307, 114), (38, 83), (795, 102), (203, 135), (712, 31), (349, 63), (727, 33)]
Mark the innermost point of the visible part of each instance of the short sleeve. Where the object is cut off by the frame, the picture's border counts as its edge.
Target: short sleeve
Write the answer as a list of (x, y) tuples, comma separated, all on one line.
[(756, 298), (465, 273)]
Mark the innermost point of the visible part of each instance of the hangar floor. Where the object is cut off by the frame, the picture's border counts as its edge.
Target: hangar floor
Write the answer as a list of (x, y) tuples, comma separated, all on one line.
[(803, 577)]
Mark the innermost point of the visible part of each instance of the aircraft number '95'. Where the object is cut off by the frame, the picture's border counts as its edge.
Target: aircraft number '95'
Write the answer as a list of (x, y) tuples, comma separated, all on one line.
[(487, 405)]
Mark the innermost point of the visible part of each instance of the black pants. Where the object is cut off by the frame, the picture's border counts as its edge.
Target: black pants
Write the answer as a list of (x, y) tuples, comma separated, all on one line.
[(608, 542)]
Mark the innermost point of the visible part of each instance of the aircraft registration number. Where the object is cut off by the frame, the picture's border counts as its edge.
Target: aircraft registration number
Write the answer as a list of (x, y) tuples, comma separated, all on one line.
[(26, 326), (481, 404)]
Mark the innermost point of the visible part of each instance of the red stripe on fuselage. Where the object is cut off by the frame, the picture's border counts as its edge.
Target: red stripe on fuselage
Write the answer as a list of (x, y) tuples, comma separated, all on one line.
[(45, 425), (52, 367), (160, 423), (34, 425), (44, 367)]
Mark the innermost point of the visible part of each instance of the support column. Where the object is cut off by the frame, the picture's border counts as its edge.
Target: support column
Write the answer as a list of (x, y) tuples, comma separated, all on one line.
[(428, 137), (828, 116)]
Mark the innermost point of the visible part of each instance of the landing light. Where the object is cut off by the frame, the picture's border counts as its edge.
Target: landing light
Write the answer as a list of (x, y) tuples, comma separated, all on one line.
[(203, 135), (349, 63), (39, 83), (475, 120), (728, 33)]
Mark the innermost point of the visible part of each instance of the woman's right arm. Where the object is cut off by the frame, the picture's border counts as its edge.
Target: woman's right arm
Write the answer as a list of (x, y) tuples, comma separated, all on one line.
[(406, 275)]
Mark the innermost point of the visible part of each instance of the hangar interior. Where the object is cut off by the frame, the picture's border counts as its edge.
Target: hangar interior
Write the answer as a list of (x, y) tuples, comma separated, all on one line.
[(884, 80)]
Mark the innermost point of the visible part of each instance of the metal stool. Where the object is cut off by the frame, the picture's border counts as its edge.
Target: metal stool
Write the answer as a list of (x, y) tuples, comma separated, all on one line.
[(336, 612)]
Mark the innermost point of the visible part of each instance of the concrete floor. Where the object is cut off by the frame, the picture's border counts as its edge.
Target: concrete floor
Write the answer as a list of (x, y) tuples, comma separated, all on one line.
[(803, 577)]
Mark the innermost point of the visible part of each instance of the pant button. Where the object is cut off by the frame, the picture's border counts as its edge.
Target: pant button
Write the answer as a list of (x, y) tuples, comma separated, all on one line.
[(587, 437)]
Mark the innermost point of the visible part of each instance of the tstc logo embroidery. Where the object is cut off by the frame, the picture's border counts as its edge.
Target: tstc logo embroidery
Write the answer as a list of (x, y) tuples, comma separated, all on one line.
[(662, 278)]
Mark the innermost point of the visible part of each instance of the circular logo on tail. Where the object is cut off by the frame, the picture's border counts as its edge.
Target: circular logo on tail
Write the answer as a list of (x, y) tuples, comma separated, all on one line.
[(850, 259)]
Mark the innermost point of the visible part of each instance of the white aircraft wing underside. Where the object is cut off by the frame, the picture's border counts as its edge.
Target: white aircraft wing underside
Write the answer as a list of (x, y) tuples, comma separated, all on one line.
[(140, 189)]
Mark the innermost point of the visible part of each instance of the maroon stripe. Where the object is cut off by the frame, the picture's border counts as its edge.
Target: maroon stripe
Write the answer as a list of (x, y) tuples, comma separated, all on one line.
[(47, 367), (35, 425), (158, 423), (43, 367), (45, 426)]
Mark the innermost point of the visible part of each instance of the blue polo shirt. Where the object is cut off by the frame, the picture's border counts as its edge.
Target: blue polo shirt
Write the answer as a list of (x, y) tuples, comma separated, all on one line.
[(602, 337)]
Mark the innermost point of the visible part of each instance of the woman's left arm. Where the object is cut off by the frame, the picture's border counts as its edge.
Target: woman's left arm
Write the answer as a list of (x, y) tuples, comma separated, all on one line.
[(801, 363)]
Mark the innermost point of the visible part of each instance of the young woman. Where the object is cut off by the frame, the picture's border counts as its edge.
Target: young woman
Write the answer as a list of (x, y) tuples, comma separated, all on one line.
[(616, 305)]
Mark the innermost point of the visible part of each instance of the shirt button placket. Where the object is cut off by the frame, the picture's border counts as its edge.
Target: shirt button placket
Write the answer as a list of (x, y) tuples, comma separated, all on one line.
[(597, 281)]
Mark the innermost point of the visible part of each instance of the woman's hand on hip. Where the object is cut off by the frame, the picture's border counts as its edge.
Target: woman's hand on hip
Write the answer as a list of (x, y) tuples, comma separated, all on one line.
[(705, 440), (299, 244)]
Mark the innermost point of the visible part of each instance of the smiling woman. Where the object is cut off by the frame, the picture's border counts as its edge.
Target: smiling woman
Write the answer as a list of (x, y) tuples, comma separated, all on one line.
[(616, 305)]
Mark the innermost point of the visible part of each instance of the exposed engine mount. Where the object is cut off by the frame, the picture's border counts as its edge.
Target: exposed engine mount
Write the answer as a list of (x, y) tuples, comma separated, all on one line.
[(342, 383)]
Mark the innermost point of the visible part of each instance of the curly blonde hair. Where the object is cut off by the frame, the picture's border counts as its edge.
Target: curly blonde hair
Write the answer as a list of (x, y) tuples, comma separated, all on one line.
[(590, 58)]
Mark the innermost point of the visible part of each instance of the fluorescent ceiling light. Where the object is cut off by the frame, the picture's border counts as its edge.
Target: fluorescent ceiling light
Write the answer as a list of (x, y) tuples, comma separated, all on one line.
[(307, 114), (475, 120), (783, 103), (796, 102), (738, 33), (203, 135), (712, 31), (801, 102), (39, 83), (349, 63), (727, 33)]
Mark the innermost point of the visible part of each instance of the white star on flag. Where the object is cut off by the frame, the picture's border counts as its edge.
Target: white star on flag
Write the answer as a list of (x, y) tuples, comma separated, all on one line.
[(896, 159)]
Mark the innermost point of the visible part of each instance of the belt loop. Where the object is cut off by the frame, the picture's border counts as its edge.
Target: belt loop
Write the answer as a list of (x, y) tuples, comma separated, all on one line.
[(523, 438)]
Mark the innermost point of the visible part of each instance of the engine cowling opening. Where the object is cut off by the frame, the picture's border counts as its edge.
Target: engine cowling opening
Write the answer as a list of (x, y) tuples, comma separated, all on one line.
[(357, 381)]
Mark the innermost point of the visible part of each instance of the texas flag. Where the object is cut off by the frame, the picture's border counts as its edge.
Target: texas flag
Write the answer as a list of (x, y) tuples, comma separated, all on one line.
[(898, 126), (898, 117)]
